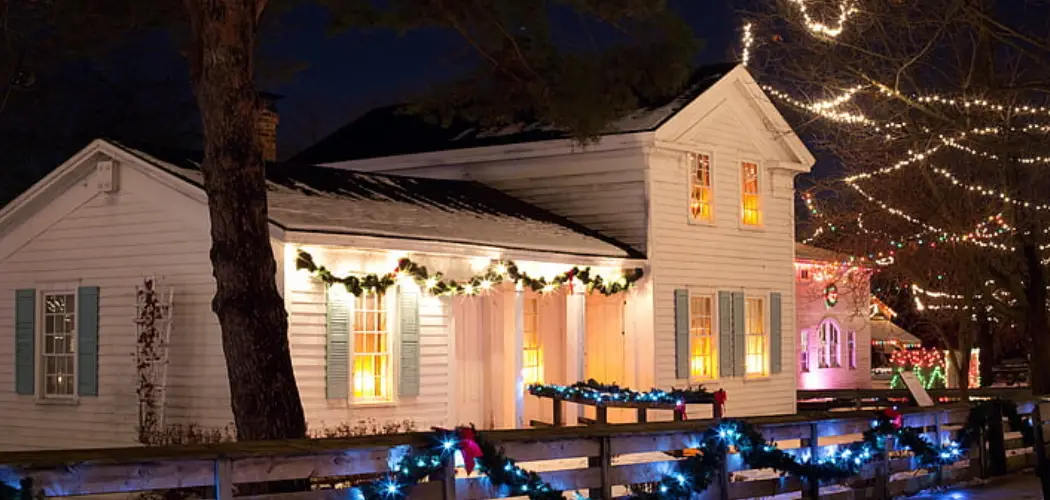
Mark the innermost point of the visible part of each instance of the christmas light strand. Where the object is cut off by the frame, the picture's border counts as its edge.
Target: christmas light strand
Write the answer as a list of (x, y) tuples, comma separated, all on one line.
[(846, 10), (988, 192)]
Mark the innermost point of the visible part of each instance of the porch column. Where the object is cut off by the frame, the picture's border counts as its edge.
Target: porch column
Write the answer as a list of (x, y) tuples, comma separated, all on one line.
[(575, 342), (517, 340)]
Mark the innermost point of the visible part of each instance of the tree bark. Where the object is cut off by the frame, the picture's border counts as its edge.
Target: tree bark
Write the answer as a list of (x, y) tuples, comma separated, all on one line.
[(1036, 324), (263, 393), (985, 342)]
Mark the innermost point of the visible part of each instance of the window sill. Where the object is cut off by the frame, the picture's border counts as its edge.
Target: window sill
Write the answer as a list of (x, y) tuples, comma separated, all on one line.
[(57, 402), (372, 404), (757, 378), (700, 222), (761, 228)]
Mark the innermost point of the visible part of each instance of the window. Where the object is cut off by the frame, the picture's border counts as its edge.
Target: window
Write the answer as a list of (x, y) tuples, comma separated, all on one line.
[(701, 338), (752, 215), (829, 345), (755, 333), (851, 348), (532, 354), (803, 274), (59, 337), (372, 370), (803, 351), (700, 197)]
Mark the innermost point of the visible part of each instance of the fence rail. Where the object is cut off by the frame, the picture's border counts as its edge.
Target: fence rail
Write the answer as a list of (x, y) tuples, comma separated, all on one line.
[(828, 399), (603, 459)]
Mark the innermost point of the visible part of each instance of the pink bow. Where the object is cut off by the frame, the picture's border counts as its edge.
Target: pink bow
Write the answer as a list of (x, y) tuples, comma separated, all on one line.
[(469, 447)]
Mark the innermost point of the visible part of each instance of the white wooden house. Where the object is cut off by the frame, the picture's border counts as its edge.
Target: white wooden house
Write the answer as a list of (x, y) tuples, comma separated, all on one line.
[(698, 192), (833, 297)]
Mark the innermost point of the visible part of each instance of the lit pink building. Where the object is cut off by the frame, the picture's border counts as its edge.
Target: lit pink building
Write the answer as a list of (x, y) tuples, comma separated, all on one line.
[(832, 296)]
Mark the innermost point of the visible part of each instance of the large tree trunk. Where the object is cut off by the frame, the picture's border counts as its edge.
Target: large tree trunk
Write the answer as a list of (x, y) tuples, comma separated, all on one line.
[(251, 312), (986, 343), (1036, 324)]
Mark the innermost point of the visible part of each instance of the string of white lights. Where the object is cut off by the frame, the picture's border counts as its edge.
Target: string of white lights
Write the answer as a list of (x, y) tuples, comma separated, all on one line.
[(846, 9), (988, 192), (747, 40)]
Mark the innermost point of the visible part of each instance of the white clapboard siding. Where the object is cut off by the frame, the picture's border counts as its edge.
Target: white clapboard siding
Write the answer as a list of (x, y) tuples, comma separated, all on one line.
[(112, 242), (723, 256), (307, 330)]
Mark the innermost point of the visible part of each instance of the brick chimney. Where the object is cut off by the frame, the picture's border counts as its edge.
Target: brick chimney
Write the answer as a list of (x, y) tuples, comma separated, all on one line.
[(266, 125)]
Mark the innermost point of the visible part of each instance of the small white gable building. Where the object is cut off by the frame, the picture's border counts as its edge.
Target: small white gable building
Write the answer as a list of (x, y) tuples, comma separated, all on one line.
[(696, 192)]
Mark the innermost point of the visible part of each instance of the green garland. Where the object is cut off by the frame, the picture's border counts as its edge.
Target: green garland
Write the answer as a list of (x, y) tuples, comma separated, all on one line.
[(494, 274), (592, 390)]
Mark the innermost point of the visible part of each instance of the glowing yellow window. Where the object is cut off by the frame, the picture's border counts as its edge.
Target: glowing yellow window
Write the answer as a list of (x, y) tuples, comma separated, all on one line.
[(700, 200), (752, 213), (755, 337), (702, 363), (372, 370), (532, 354)]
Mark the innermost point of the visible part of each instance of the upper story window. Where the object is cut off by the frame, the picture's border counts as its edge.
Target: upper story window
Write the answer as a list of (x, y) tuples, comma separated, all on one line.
[(701, 201), (58, 355), (531, 354), (752, 213), (701, 337), (829, 345), (756, 352), (372, 369)]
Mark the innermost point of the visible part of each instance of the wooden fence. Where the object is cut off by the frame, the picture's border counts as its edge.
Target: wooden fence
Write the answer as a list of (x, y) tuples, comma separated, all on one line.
[(828, 399), (601, 459)]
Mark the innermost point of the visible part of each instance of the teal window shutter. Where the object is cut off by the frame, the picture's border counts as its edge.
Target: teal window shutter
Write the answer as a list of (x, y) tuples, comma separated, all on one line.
[(87, 341), (25, 340), (681, 333), (337, 347), (408, 317), (725, 334), (775, 340), (739, 335)]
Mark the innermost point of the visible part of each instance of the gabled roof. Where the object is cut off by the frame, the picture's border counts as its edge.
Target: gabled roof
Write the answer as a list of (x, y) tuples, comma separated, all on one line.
[(392, 131), (309, 198), (814, 254)]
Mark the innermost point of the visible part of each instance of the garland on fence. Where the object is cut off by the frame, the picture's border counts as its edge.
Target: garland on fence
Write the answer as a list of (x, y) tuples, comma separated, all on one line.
[(494, 274), (595, 391), (691, 475)]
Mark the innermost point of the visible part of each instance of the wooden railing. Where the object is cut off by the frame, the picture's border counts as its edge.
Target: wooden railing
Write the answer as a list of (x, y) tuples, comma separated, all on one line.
[(599, 458), (828, 399)]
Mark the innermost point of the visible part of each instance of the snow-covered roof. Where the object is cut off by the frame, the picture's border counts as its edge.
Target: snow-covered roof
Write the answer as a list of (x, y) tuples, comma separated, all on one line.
[(393, 130), (884, 330), (318, 199), (814, 254)]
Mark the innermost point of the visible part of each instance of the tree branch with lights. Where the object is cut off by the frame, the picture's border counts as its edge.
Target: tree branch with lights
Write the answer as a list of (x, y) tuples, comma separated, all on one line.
[(932, 110)]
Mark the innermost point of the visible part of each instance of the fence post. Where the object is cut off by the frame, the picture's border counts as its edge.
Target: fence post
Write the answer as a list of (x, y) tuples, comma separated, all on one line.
[(223, 479), (996, 442), (982, 453), (604, 463), (939, 476), (811, 488), (1039, 447), (447, 476), (723, 476), (26, 492)]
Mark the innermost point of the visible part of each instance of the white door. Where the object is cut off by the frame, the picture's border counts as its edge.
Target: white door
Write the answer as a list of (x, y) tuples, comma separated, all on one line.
[(604, 357), (472, 371)]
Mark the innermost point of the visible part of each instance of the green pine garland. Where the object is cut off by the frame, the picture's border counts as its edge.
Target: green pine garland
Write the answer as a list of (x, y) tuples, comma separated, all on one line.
[(496, 273), (592, 390)]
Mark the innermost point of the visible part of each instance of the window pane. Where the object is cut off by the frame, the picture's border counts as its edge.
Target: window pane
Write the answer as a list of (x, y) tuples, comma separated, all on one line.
[(702, 362), (700, 201), (755, 346), (532, 353), (372, 374), (750, 201)]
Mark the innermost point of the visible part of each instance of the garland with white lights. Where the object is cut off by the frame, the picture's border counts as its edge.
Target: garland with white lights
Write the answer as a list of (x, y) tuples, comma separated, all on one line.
[(596, 392), (690, 475), (496, 273)]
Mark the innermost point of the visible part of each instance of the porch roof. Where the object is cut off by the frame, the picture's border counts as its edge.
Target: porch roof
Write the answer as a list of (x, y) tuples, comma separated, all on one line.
[(308, 198), (884, 330)]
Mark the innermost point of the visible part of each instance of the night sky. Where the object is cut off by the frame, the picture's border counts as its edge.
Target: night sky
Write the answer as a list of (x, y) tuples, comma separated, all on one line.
[(357, 71)]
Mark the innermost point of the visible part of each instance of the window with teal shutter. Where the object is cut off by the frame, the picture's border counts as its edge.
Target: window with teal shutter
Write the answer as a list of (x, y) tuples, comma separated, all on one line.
[(775, 341), (739, 336), (25, 338), (681, 333), (87, 341), (337, 344), (725, 334), (408, 317)]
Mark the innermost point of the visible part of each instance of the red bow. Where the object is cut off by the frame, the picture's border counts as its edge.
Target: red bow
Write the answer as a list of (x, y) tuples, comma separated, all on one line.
[(895, 417), (679, 408), (469, 447), (572, 279), (720, 400)]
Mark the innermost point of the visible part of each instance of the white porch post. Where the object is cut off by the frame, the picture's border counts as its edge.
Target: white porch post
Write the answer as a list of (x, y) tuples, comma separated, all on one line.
[(517, 318), (575, 341)]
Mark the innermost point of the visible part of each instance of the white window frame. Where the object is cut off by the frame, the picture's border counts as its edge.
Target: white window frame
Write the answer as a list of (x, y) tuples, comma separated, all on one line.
[(393, 330), (40, 385), (691, 160), (740, 194), (540, 375), (851, 349), (830, 345), (714, 335), (804, 362), (764, 298)]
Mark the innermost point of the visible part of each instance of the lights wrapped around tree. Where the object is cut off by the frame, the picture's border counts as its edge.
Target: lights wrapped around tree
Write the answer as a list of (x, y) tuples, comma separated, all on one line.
[(927, 364), (496, 273)]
